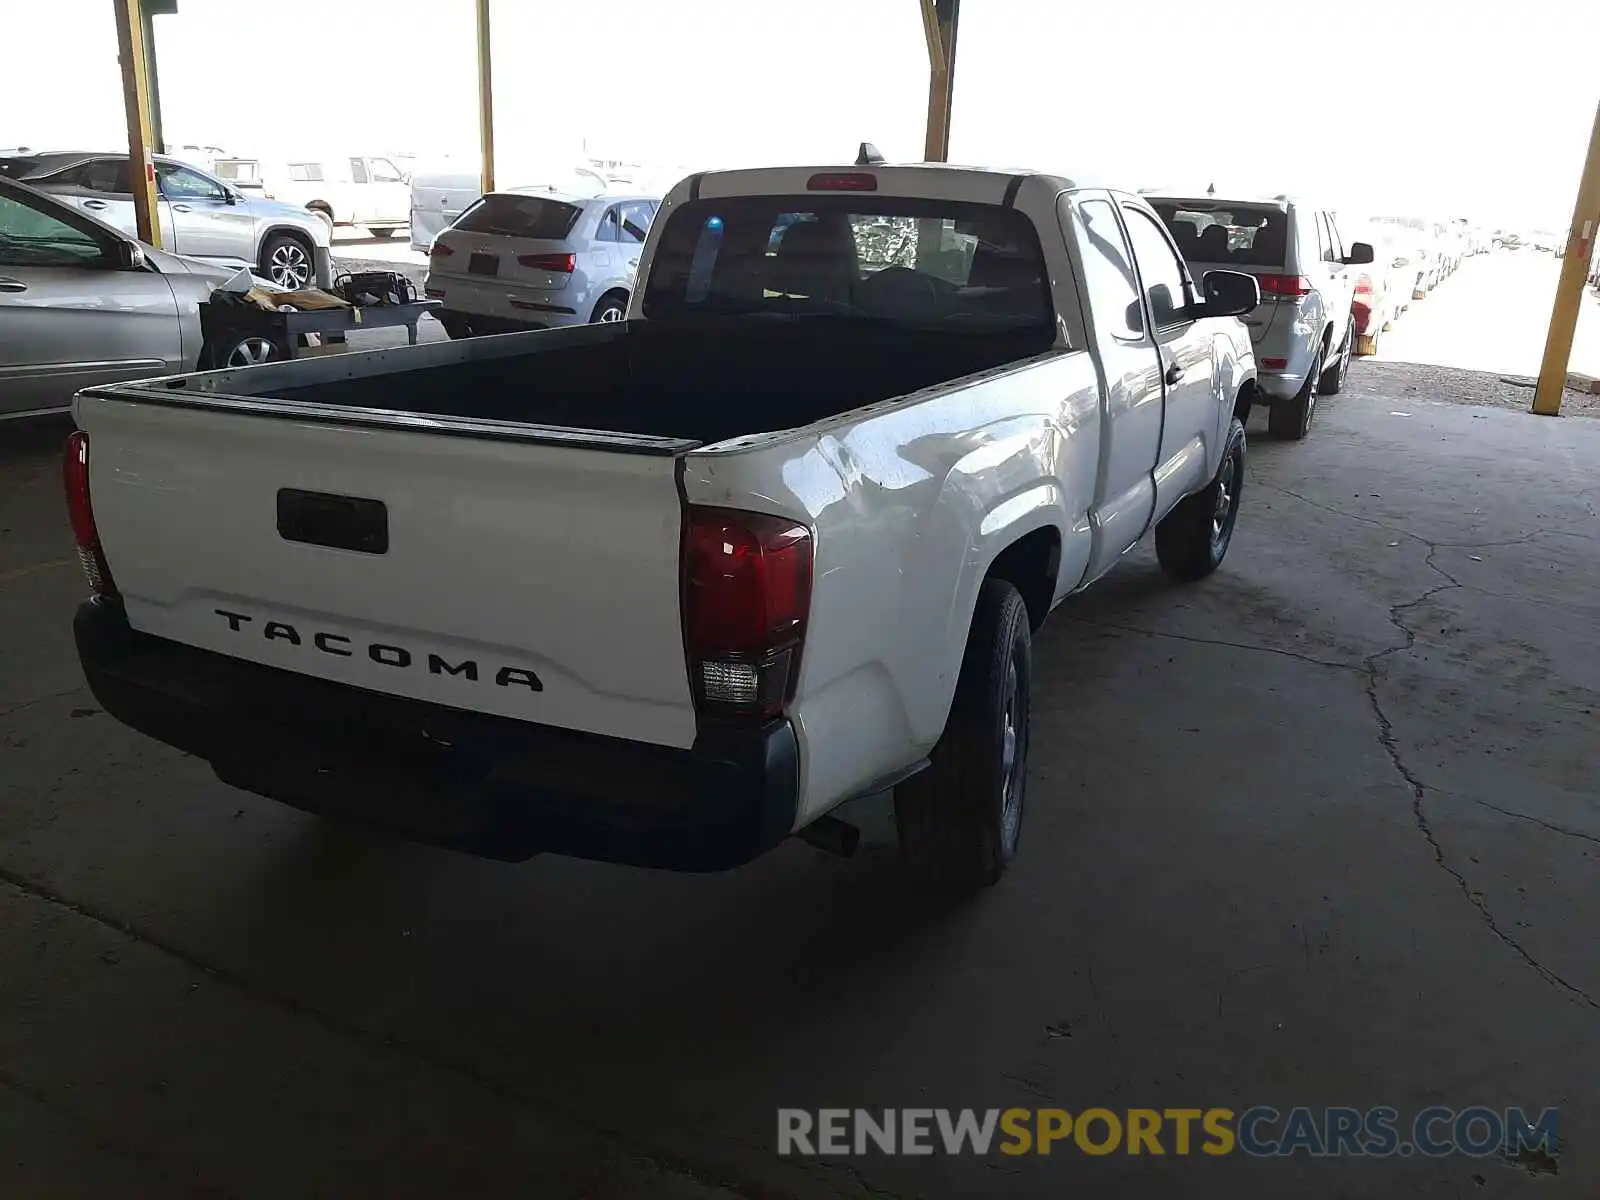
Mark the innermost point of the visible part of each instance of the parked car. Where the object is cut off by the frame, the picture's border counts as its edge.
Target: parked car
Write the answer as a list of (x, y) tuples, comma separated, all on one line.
[(1382, 289), (200, 216), (667, 591), (1417, 243), (528, 259), (1304, 332), (83, 303), (438, 198), (366, 190)]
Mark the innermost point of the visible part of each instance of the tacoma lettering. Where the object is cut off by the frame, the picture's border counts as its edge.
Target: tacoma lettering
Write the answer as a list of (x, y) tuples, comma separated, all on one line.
[(383, 653)]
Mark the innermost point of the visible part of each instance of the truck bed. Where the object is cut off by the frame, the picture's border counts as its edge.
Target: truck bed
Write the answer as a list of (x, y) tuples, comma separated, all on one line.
[(705, 382)]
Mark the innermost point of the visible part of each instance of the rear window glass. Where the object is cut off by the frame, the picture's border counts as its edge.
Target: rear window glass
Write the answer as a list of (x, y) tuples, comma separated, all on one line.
[(521, 216), (912, 262), (1237, 234)]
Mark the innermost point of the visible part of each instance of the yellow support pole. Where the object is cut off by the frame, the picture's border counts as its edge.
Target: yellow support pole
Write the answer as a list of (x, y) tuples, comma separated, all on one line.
[(939, 21), (485, 97), (136, 103), (1569, 291)]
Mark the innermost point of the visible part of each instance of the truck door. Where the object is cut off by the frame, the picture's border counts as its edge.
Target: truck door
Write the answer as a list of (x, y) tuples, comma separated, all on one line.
[(1191, 416), (1130, 431)]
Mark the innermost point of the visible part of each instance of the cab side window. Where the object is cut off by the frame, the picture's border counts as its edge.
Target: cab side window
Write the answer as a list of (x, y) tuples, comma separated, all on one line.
[(1108, 274), (1159, 266), (610, 226), (106, 175), (358, 171)]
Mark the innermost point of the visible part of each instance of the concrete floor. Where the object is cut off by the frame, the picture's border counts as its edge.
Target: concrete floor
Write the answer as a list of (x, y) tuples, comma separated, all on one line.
[(1320, 830)]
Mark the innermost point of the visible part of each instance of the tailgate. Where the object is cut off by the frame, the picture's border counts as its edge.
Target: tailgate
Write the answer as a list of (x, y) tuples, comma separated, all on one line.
[(506, 576)]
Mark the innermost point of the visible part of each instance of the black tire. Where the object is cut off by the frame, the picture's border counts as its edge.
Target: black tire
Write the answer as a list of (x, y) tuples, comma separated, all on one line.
[(1292, 418), (613, 306), (1193, 539), (960, 820), (1331, 381), (288, 260)]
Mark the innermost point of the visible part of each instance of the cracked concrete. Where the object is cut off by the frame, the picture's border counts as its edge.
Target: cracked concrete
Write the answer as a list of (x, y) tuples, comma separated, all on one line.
[(1319, 830)]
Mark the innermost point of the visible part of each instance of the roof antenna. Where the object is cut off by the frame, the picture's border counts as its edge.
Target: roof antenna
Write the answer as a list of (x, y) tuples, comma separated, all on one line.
[(868, 156)]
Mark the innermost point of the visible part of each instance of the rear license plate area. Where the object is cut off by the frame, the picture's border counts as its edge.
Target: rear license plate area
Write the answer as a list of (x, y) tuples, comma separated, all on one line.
[(483, 264)]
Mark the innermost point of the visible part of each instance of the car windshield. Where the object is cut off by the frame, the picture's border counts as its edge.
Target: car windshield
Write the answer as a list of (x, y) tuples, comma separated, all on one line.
[(521, 216), (910, 262), (1241, 235)]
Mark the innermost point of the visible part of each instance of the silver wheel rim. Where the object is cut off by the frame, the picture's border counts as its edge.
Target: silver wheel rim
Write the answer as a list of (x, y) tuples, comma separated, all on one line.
[(251, 352), (1224, 503), (610, 314), (290, 265), (1011, 736)]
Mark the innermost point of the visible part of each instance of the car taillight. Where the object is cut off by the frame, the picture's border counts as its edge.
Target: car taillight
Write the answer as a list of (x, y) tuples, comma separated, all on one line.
[(562, 264), (440, 250), (1364, 286), (75, 474), (1274, 364), (1284, 285), (746, 596)]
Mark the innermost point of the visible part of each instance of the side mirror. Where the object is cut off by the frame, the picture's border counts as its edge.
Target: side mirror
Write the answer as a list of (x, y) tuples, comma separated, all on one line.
[(130, 257), (1229, 294), (1360, 254), (229, 195)]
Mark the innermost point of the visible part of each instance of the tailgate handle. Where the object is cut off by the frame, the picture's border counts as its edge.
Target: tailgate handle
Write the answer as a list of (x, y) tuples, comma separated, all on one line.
[(339, 522)]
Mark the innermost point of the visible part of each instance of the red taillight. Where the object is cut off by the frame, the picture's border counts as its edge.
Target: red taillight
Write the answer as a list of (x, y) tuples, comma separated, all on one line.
[(747, 592), (440, 250), (1364, 285), (1284, 285), (75, 474), (843, 181), (1274, 364), (562, 264)]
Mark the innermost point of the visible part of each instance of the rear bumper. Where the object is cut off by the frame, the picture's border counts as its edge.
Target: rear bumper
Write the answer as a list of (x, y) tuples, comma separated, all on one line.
[(480, 784), (510, 303)]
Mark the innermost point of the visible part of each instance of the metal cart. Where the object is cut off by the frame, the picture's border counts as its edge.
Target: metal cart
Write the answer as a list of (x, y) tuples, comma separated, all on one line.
[(239, 334)]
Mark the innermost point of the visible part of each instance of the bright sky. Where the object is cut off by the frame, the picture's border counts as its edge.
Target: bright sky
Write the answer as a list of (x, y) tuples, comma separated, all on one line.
[(1438, 107)]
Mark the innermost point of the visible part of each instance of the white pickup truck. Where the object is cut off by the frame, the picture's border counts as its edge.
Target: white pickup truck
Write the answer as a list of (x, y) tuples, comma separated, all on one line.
[(669, 590)]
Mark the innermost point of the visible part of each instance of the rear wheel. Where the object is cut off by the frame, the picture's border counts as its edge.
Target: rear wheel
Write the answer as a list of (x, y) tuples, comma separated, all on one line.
[(613, 307), (1292, 418), (1193, 539), (960, 820)]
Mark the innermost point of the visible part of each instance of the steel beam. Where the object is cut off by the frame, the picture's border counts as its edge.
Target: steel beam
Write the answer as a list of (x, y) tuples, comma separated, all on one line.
[(1569, 290), (136, 105), (485, 98), (940, 19)]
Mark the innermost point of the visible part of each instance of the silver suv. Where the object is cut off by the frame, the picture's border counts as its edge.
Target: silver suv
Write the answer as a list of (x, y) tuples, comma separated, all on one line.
[(1303, 331), (530, 259), (200, 215)]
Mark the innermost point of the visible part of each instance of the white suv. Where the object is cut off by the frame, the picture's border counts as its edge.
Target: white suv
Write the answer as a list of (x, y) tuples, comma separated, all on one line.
[(533, 259), (1303, 332)]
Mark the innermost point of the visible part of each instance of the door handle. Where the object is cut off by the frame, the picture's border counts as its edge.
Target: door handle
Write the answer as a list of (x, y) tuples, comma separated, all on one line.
[(12, 285), (94, 204), (1174, 375), (181, 208)]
